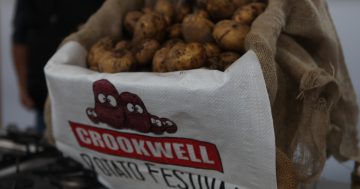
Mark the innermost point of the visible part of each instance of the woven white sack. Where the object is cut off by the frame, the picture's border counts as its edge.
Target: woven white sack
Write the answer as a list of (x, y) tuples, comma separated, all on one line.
[(197, 129)]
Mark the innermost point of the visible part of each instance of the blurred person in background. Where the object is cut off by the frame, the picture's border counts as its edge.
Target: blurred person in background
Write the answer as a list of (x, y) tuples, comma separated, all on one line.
[(39, 26)]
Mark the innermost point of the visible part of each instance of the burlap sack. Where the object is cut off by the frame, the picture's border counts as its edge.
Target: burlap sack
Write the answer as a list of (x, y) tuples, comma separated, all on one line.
[(313, 101)]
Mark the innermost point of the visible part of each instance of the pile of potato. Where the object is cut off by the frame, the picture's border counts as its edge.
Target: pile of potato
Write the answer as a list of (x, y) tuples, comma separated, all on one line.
[(185, 35)]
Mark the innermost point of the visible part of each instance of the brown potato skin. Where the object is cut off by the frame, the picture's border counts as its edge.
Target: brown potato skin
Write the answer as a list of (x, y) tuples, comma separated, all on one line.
[(97, 52), (182, 9), (174, 35), (248, 13), (145, 52), (172, 42), (220, 9), (201, 4), (131, 19), (150, 26), (185, 57), (212, 50), (174, 31), (212, 53), (223, 61), (147, 10), (158, 64), (165, 8), (197, 28), (228, 58), (110, 57), (117, 61), (122, 45), (230, 35), (240, 3)]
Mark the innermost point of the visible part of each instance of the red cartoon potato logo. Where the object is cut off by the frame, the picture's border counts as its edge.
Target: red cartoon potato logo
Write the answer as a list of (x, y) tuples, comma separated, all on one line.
[(107, 108), (157, 126), (125, 111), (137, 117), (170, 126)]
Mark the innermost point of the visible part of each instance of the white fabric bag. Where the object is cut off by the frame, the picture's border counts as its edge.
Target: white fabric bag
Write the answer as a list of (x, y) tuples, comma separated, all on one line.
[(197, 129)]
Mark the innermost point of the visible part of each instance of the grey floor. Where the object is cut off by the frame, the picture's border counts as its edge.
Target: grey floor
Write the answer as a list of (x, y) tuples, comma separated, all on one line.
[(328, 184)]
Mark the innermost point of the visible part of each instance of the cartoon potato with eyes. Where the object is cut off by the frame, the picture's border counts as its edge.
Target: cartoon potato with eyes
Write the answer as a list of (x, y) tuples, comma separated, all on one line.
[(157, 126), (125, 111), (170, 126), (107, 108), (137, 117)]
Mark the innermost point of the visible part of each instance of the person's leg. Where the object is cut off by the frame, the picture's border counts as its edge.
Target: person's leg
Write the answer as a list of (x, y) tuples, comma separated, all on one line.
[(40, 125)]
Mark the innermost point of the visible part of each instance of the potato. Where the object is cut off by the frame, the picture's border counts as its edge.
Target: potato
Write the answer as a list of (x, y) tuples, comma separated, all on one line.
[(202, 14), (165, 8), (149, 4), (185, 57), (212, 53), (220, 9), (159, 64), (147, 10), (240, 3), (223, 61), (172, 42), (201, 4), (150, 26), (122, 45), (228, 58), (159, 59), (197, 28), (145, 51), (213, 63), (117, 61), (97, 51), (182, 9), (248, 13), (211, 50), (174, 31), (130, 20), (230, 35)]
